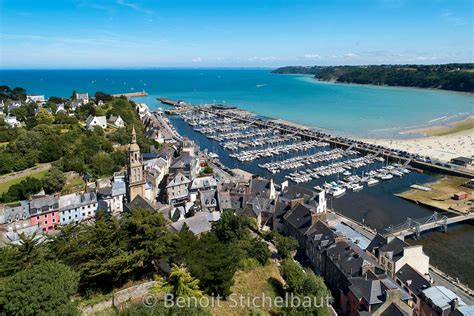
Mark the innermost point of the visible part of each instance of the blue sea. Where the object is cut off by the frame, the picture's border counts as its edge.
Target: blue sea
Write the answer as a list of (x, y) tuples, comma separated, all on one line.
[(343, 109)]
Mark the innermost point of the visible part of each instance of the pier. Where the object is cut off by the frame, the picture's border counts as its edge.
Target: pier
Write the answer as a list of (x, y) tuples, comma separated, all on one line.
[(131, 94), (413, 161)]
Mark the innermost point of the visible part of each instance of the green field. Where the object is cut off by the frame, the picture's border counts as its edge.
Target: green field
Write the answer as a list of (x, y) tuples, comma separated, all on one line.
[(6, 185)]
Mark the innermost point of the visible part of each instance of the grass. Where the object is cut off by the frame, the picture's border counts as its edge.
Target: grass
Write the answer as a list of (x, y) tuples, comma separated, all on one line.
[(75, 183), (6, 185), (441, 194), (263, 279)]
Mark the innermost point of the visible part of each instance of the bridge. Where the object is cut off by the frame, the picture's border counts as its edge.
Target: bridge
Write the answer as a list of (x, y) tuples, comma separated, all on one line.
[(417, 226)]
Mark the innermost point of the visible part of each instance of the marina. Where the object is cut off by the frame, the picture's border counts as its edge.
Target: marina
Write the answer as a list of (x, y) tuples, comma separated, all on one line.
[(298, 158)]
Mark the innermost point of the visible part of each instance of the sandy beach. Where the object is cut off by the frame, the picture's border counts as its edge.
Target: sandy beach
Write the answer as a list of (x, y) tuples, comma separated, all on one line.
[(440, 142)]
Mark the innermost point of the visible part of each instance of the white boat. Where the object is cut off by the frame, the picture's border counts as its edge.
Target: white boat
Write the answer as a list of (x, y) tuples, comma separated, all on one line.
[(372, 182), (386, 176), (346, 173), (336, 192), (356, 187)]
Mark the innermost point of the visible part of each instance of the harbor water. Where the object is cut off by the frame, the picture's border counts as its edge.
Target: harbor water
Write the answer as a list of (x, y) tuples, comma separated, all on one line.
[(375, 206)]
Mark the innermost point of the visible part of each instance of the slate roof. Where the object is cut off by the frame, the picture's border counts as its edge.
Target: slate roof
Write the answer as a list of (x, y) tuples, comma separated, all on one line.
[(412, 279), (396, 247), (199, 223), (139, 202), (293, 192), (203, 183), (367, 289), (166, 152), (320, 235), (299, 217), (258, 205), (441, 296), (260, 187), (378, 242), (393, 310), (350, 258), (208, 198), (178, 180), (224, 200), (39, 202)]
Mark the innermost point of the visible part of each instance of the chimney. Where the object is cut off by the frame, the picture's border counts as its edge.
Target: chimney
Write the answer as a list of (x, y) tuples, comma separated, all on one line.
[(454, 304), (393, 295)]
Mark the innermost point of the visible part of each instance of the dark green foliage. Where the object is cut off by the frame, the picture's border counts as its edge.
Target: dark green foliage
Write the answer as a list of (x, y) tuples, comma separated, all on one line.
[(304, 283), (28, 252), (449, 77), (207, 170), (231, 227), (213, 263), (17, 94), (112, 251), (258, 250), (53, 181), (44, 289), (22, 190), (104, 97), (56, 100), (285, 245)]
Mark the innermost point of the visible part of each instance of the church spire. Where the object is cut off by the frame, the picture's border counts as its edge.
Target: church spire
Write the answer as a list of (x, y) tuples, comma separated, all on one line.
[(134, 135)]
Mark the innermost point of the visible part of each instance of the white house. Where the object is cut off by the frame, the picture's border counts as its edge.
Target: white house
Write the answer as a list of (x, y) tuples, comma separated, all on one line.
[(35, 98), (82, 97), (96, 121), (12, 121), (116, 121), (177, 189)]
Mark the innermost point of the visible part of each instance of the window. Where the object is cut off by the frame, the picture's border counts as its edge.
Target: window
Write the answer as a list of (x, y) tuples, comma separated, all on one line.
[(45, 216), (54, 220), (46, 222)]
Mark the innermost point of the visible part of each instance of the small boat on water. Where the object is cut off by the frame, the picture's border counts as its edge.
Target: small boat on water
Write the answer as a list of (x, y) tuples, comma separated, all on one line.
[(372, 182), (356, 187), (386, 176), (337, 191)]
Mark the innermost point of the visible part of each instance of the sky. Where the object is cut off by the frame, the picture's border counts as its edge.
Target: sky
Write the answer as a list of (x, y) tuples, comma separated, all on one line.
[(233, 33)]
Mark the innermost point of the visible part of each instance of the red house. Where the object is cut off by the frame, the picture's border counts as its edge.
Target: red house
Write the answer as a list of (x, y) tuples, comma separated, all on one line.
[(44, 212)]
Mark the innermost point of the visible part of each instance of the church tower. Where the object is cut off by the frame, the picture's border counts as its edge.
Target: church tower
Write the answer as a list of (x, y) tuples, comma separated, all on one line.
[(135, 173)]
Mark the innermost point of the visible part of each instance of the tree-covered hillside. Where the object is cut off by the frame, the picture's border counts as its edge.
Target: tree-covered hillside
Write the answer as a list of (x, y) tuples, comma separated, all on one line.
[(457, 77)]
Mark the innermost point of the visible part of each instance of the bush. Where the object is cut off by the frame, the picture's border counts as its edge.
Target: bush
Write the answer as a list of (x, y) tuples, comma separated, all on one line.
[(53, 181), (44, 289)]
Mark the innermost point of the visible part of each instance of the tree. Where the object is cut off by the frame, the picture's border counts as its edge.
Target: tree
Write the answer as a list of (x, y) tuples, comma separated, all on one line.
[(44, 117), (285, 245), (102, 164), (258, 250), (53, 181), (214, 264), (44, 289), (304, 283), (182, 283), (104, 97), (231, 227), (22, 190)]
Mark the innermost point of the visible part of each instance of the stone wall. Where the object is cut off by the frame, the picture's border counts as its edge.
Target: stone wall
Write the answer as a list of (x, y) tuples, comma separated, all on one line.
[(122, 299)]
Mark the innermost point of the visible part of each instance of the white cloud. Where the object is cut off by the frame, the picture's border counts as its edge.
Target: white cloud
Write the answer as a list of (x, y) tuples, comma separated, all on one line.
[(350, 55), (453, 19), (312, 56), (196, 60), (134, 6)]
